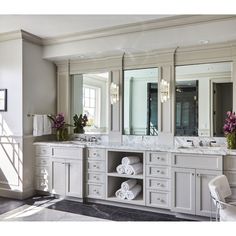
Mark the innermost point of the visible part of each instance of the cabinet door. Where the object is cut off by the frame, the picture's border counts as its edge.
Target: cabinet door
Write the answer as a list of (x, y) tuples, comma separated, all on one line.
[(183, 190), (204, 204), (74, 179), (58, 177)]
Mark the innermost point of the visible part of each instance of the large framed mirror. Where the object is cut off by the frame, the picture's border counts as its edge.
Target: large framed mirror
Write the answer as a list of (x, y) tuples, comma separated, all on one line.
[(89, 95), (203, 95), (140, 106)]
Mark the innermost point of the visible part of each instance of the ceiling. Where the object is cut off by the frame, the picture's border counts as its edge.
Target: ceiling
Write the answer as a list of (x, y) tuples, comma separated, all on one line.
[(46, 26)]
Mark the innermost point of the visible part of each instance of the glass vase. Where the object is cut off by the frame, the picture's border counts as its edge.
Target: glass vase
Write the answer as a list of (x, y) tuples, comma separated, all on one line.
[(62, 134), (231, 140)]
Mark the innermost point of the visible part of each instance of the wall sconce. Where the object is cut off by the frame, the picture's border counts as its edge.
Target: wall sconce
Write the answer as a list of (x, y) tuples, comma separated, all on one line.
[(114, 93), (164, 90)]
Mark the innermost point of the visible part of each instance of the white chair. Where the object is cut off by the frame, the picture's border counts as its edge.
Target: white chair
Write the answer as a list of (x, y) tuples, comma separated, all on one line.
[(220, 190)]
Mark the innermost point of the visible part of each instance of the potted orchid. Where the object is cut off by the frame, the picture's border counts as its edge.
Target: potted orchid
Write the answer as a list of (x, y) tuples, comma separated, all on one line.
[(60, 126), (230, 129)]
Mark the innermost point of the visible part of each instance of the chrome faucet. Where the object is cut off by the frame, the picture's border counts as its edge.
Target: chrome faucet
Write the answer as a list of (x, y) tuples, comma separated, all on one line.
[(212, 141), (190, 141)]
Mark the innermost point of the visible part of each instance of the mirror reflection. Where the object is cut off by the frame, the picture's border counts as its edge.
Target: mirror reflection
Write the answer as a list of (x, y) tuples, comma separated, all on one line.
[(141, 102), (204, 93), (89, 95)]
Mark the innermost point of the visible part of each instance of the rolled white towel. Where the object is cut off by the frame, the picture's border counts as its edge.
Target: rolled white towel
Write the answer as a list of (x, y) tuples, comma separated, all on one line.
[(130, 160), (129, 184), (134, 169), (120, 169), (134, 192), (121, 194)]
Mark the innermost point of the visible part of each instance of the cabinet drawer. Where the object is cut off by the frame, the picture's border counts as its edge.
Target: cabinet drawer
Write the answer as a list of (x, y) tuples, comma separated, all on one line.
[(94, 153), (230, 163), (71, 153), (158, 171), (95, 177), (42, 162), (158, 184), (42, 171), (158, 199), (96, 166), (41, 184), (95, 190), (158, 158), (197, 161), (43, 151), (231, 176)]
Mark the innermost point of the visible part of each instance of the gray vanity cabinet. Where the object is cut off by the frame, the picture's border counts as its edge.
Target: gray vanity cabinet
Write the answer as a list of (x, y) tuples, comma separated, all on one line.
[(189, 182), (67, 171)]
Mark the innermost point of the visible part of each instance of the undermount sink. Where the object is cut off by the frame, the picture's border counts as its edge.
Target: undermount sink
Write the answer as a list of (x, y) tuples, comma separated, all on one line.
[(201, 148)]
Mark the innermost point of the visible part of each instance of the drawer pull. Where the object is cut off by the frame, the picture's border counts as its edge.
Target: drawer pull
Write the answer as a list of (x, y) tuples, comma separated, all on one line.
[(95, 166), (158, 171), (158, 158)]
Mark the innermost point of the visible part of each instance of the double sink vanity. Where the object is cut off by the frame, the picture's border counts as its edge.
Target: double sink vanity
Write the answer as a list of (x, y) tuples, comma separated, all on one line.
[(174, 180)]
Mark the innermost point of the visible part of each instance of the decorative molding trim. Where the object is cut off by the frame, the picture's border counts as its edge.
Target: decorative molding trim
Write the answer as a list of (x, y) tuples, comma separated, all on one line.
[(168, 22), (21, 34)]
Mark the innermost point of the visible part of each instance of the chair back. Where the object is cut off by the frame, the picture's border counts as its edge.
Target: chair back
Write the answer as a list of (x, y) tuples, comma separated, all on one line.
[(219, 188)]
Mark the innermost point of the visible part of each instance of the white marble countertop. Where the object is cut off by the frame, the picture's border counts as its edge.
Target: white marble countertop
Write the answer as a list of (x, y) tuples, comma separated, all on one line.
[(140, 147)]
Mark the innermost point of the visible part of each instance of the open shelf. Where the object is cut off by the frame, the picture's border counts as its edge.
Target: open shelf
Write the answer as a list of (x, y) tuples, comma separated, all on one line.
[(137, 201), (114, 183), (115, 174)]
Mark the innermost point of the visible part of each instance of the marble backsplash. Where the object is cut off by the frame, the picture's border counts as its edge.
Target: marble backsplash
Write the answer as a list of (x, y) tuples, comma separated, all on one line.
[(151, 141)]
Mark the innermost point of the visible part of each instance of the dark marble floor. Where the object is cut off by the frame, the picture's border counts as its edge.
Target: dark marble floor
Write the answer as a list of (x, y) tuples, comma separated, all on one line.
[(88, 209), (7, 204)]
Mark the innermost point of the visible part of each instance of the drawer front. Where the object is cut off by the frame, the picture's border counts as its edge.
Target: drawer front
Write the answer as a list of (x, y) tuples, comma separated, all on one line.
[(158, 171), (42, 162), (95, 190), (71, 153), (197, 161), (42, 184), (43, 151), (94, 153), (158, 158), (95, 177), (42, 171), (96, 166), (231, 176), (158, 199), (230, 163), (158, 184)]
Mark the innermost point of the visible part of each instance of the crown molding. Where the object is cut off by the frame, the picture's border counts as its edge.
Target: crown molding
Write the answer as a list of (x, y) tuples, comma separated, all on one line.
[(21, 34), (168, 22)]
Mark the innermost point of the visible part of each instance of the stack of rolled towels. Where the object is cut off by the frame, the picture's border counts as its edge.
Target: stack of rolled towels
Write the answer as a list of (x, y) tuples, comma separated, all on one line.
[(130, 165), (129, 190)]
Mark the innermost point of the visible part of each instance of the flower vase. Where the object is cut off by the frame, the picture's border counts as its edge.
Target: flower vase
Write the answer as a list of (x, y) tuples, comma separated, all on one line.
[(79, 130), (62, 134), (231, 140)]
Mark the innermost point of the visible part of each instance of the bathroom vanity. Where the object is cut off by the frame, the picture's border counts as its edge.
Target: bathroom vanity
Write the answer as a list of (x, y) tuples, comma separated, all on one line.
[(174, 180)]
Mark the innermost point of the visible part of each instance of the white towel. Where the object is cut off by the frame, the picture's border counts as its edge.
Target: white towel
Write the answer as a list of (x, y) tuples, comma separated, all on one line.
[(134, 169), (120, 169), (38, 125), (121, 194), (134, 192), (130, 160), (129, 184), (47, 126)]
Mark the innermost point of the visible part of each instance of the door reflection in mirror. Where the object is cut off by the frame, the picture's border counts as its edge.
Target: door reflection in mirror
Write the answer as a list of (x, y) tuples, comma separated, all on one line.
[(203, 96), (141, 102)]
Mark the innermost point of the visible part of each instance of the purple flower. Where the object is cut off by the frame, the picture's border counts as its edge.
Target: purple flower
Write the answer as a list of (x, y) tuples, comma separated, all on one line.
[(58, 121), (230, 123)]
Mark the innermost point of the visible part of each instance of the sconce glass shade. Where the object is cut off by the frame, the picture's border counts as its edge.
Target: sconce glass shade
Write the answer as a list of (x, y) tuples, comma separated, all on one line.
[(114, 93), (164, 90)]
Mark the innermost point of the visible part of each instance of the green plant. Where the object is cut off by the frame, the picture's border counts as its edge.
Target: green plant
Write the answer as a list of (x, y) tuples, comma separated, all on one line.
[(80, 122)]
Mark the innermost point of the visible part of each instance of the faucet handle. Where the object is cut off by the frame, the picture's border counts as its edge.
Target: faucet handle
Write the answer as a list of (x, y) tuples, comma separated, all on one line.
[(200, 143)]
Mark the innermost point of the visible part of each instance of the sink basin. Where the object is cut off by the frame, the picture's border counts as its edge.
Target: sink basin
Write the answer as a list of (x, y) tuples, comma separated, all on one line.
[(200, 148)]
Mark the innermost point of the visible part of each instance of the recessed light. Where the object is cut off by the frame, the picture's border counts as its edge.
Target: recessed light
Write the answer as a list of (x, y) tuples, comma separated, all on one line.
[(203, 41)]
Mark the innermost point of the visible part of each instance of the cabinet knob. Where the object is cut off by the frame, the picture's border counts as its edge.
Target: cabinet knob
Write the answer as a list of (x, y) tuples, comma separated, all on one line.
[(192, 174)]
